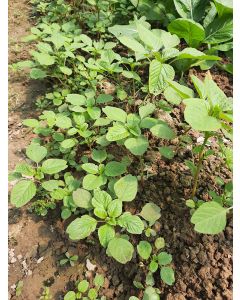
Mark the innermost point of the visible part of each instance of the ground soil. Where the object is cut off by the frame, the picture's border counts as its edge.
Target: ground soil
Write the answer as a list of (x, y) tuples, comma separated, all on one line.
[(202, 263)]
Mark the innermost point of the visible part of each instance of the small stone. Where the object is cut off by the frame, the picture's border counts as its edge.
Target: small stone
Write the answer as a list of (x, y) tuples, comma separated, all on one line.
[(19, 257), (13, 260), (90, 266), (40, 260), (29, 273)]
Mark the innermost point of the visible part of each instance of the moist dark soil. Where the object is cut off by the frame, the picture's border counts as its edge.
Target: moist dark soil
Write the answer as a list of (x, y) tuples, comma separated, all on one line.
[(202, 263)]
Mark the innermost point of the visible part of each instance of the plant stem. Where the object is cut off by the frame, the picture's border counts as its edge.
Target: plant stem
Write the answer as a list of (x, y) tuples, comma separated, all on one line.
[(201, 158)]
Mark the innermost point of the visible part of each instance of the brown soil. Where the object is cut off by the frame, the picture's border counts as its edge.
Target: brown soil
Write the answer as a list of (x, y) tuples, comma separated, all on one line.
[(202, 263)]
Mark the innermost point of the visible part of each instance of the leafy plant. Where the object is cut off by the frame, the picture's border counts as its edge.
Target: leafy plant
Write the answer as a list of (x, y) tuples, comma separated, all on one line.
[(71, 259)]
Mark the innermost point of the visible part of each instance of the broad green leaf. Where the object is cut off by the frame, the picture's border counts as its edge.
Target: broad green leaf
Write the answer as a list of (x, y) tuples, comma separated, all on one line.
[(25, 169), (191, 9), (50, 185), (210, 218), (193, 53), (94, 112), (91, 182), (83, 286), (105, 234), (183, 91), (70, 296), (192, 32), (158, 74), (65, 70), (81, 228), (36, 152), (23, 192), (137, 146), (117, 132), (101, 199), (53, 166), (68, 143), (76, 99), (169, 40), (92, 294), (144, 249), (166, 152), (104, 98), (159, 243), (126, 188), (146, 110), (114, 208), (115, 114), (150, 212), (224, 7), (82, 198), (132, 44), (149, 9), (219, 31), (120, 249), (31, 123), (167, 275), (196, 115), (90, 168), (63, 122), (163, 131), (37, 73), (153, 266), (44, 59), (115, 168), (102, 122), (58, 194), (148, 122), (133, 224), (149, 38), (99, 155), (164, 258), (98, 280), (150, 294), (199, 86)]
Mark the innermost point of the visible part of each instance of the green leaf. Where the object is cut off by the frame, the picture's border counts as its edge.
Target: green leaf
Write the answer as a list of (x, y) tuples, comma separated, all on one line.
[(114, 208), (99, 155), (115, 114), (92, 294), (150, 294), (81, 228), (104, 98), (94, 112), (133, 224), (146, 110), (126, 188), (137, 146), (50, 185), (117, 132), (105, 234), (192, 32), (183, 91), (63, 122), (220, 30), (164, 258), (159, 243), (115, 168), (65, 214), (36, 152), (91, 182), (65, 70), (23, 192), (224, 7), (191, 9), (120, 249), (25, 169), (132, 44), (31, 123), (98, 280), (150, 212), (70, 296), (83, 286), (68, 143), (76, 99), (149, 38), (163, 131), (210, 218), (102, 122), (53, 166), (158, 74), (101, 199), (196, 115), (153, 266), (37, 73), (144, 249), (90, 168), (167, 275), (193, 53), (166, 152), (82, 198), (44, 59)]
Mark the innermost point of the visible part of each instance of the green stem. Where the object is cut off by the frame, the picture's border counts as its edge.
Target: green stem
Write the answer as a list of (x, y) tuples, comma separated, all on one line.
[(201, 158)]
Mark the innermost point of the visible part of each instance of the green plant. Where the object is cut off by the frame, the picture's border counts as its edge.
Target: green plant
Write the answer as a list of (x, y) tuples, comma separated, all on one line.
[(71, 259), (46, 294), (85, 291)]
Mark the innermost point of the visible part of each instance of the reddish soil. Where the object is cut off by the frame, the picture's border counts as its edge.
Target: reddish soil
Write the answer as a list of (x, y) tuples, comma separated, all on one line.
[(202, 263)]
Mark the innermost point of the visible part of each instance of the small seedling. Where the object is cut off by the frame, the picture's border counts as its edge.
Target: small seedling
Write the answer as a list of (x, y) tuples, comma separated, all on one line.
[(69, 259)]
